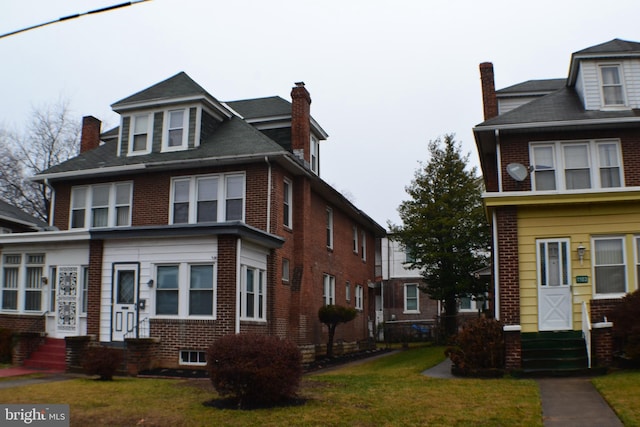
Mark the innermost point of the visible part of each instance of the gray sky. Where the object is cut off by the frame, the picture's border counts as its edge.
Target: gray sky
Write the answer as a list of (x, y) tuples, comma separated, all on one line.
[(385, 77)]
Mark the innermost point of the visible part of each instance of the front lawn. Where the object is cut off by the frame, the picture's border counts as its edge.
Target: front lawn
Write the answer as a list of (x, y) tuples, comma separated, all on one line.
[(622, 391), (389, 391)]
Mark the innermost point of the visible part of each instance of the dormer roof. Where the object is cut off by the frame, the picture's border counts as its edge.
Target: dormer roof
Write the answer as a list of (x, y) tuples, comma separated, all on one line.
[(179, 88), (613, 49)]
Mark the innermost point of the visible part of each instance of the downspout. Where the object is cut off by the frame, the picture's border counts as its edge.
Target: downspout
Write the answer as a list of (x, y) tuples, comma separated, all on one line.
[(498, 159), (238, 284), (496, 275), (266, 159)]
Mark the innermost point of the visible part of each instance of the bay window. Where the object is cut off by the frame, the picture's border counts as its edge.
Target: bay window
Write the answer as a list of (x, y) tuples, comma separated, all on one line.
[(253, 301)]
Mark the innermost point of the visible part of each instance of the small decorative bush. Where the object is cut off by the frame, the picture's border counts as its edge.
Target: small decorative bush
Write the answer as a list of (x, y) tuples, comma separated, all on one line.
[(6, 344), (254, 369), (626, 327), (332, 316), (478, 349), (102, 361)]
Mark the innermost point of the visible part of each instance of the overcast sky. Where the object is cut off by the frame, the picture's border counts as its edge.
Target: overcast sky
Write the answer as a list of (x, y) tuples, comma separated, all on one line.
[(385, 77)]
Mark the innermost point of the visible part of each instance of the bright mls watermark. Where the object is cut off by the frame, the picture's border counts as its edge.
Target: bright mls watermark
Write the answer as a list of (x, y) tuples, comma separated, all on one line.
[(34, 415)]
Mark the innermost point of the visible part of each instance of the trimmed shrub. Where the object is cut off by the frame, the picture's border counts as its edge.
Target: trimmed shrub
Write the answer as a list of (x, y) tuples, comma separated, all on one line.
[(6, 345), (626, 328), (332, 316), (478, 349), (254, 369), (102, 361)]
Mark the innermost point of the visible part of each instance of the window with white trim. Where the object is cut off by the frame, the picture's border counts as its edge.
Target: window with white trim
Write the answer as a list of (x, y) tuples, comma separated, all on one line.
[(22, 282), (315, 155), (612, 85), (193, 357), (347, 292), (411, 298), (329, 228), (287, 203), (196, 199), (175, 130), (363, 245), (355, 239), (359, 296), (185, 290), (253, 294), (590, 164), (609, 267), (140, 134), (101, 205), (328, 289)]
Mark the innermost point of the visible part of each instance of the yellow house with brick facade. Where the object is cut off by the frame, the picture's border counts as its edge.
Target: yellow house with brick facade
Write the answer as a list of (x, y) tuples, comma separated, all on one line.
[(560, 164)]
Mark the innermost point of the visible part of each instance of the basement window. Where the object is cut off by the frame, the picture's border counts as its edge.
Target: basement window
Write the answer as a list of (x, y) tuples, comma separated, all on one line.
[(193, 357)]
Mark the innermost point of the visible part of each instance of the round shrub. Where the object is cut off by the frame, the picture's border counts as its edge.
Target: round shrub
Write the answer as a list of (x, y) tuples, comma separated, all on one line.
[(478, 349), (102, 361), (254, 369), (626, 328)]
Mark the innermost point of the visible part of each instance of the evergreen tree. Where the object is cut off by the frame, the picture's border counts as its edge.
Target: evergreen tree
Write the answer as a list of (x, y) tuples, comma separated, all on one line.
[(444, 228)]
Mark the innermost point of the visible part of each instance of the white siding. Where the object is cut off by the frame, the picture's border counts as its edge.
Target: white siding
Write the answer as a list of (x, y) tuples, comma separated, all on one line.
[(393, 261), (588, 83), (253, 255), (632, 82), (591, 85), (148, 252)]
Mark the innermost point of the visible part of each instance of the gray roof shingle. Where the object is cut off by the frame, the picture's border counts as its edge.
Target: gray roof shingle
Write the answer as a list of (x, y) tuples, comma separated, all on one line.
[(261, 107), (12, 213), (613, 46)]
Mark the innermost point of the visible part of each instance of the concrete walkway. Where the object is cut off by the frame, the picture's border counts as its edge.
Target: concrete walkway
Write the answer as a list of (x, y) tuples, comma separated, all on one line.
[(19, 376), (566, 402)]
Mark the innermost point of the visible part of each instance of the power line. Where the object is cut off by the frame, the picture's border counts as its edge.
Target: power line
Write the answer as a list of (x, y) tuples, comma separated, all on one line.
[(76, 15)]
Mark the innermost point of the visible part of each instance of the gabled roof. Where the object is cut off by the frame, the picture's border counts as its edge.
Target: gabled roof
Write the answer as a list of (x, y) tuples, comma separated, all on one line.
[(11, 213), (532, 87), (272, 106), (555, 109), (615, 48), (178, 86)]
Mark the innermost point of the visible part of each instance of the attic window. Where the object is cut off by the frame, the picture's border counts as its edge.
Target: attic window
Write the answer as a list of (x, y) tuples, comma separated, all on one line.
[(140, 134), (612, 89), (175, 133)]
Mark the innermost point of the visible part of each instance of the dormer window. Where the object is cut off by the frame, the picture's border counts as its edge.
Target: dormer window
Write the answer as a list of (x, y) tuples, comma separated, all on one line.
[(175, 136), (140, 134), (612, 88)]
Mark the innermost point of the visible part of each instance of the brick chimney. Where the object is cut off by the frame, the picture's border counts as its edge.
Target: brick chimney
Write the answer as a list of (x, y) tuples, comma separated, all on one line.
[(90, 137), (301, 121), (489, 100)]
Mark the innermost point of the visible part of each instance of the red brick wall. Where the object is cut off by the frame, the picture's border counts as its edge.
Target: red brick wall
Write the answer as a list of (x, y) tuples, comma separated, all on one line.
[(509, 286), (513, 350), (18, 323), (95, 285), (394, 301)]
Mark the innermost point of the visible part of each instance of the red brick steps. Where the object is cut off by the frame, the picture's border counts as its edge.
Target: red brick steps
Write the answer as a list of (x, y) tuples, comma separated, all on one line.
[(51, 356)]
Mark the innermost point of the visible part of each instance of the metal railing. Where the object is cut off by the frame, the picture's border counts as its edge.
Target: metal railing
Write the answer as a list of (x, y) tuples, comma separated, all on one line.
[(141, 330), (586, 331)]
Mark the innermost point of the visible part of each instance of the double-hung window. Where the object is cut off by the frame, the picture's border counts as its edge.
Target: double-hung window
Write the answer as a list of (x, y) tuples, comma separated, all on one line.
[(315, 155), (253, 288), (287, 205), (329, 228), (411, 298), (140, 134), (101, 205), (347, 292), (581, 164), (11, 274), (609, 266), (328, 289), (175, 135), (355, 239), (612, 87), (33, 282), (359, 296), (363, 243), (207, 198), (185, 290)]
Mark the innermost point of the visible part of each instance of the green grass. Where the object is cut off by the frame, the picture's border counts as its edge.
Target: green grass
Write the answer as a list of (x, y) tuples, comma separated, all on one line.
[(390, 391), (622, 391)]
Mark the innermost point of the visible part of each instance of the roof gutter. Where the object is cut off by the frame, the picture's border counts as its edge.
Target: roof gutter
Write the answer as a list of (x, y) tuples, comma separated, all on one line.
[(564, 123), (88, 172)]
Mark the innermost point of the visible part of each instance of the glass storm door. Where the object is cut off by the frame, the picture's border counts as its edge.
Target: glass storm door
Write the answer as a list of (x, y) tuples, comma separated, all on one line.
[(554, 288), (124, 301)]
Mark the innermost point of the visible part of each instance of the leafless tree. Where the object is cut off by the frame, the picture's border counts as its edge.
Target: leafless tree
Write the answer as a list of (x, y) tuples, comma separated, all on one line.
[(51, 137)]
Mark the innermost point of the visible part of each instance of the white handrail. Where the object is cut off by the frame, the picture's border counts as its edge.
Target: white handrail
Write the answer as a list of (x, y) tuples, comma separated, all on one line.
[(586, 331)]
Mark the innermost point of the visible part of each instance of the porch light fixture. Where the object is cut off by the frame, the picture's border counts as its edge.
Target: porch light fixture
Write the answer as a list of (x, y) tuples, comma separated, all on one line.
[(44, 281), (150, 283), (581, 250)]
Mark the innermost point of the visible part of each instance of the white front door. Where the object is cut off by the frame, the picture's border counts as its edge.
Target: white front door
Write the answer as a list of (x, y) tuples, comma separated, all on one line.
[(554, 285), (124, 307)]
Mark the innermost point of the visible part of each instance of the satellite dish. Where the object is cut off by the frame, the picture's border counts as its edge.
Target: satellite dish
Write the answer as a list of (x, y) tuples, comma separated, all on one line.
[(517, 171)]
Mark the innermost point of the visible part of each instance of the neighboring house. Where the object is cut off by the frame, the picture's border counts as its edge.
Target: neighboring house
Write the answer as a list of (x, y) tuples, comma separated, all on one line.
[(193, 219), (14, 220), (560, 163), (402, 301)]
